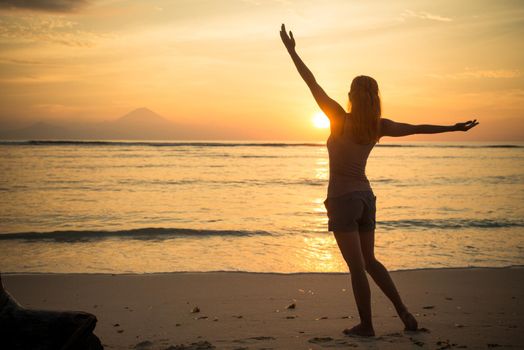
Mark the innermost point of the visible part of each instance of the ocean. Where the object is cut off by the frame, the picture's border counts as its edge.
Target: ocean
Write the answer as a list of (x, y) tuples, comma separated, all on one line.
[(145, 207)]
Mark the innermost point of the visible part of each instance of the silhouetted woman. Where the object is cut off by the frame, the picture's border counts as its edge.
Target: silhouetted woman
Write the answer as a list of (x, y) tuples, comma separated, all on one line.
[(351, 203)]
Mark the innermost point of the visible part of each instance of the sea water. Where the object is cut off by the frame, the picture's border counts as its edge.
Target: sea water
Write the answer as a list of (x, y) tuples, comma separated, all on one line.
[(135, 207)]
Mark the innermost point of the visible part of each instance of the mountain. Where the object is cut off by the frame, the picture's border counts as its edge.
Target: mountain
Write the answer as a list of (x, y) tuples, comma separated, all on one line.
[(142, 123), (39, 130), (141, 115), (139, 124)]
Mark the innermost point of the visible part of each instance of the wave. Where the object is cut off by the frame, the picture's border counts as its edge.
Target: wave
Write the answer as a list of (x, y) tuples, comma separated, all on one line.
[(148, 233), (161, 233), (449, 223), (234, 144)]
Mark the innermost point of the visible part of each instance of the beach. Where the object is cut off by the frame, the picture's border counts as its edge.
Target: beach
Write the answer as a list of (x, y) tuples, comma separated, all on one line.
[(473, 308), (134, 233)]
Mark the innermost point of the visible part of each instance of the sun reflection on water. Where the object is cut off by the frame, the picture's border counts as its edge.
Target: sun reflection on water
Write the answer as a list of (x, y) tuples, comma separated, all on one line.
[(320, 254)]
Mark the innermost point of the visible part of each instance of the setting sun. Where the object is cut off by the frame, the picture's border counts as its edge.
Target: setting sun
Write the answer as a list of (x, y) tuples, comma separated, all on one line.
[(320, 120)]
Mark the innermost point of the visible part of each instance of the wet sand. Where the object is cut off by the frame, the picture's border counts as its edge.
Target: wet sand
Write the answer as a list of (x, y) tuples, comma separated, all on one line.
[(476, 308)]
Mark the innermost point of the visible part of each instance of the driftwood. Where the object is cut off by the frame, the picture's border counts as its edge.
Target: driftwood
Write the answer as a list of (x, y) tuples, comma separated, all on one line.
[(22, 328)]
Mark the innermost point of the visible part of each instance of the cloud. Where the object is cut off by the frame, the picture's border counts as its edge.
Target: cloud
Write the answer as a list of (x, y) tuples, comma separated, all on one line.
[(40, 79), (45, 28), (424, 15), (44, 5), (19, 61), (480, 73)]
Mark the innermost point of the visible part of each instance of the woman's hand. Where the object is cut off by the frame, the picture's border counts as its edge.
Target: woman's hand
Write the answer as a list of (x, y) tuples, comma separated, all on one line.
[(288, 40), (465, 126)]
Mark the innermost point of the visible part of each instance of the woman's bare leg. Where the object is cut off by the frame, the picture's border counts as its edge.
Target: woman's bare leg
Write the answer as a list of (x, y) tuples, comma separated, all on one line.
[(349, 244), (382, 278)]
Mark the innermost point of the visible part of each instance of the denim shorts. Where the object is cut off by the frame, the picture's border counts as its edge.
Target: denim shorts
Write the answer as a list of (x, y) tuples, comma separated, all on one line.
[(353, 211)]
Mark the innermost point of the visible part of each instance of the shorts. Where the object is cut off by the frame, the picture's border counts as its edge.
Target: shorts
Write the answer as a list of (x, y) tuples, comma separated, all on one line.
[(353, 211)]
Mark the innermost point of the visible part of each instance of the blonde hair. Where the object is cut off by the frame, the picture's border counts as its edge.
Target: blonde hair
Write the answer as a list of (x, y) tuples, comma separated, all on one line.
[(364, 106)]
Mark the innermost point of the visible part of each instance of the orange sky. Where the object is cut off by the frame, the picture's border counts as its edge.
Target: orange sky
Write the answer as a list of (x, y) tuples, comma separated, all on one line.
[(221, 62)]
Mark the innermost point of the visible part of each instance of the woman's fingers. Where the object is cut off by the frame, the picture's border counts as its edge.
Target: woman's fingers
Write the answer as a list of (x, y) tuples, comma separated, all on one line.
[(469, 124), (288, 39), (465, 126), (472, 123), (283, 33)]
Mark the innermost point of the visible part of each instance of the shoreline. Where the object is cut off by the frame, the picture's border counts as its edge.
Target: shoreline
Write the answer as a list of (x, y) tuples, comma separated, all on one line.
[(472, 307), (252, 272)]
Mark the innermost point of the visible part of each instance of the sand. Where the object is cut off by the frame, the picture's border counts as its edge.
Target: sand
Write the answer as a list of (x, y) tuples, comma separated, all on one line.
[(477, 308)]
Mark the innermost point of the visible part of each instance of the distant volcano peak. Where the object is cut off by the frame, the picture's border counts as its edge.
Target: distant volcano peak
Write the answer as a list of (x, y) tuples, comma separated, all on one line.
[(142, 115)]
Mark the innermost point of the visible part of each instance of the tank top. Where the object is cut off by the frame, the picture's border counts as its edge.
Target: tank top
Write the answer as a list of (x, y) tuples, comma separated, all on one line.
[(347, 163)]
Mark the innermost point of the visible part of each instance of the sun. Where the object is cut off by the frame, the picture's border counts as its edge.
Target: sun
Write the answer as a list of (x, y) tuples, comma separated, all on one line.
[(320, 120)]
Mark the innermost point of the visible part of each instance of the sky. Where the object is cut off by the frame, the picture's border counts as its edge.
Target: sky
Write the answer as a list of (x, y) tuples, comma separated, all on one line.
[(221, 63)]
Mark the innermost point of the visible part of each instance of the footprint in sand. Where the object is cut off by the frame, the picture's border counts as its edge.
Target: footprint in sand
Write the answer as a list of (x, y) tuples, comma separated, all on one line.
[(253, 339), (395, 337), (320, 340), (263, 337), (332, 343), (200, 345), (395, 334), (144, 345), (416, 342), (447, 344)]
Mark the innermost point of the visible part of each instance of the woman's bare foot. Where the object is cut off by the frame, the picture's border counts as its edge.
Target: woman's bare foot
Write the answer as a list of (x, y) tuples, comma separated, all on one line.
[(360, 330), (410, 322)]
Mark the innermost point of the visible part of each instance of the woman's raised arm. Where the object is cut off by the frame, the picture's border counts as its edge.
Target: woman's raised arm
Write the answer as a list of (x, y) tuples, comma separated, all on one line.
[(329, 106), (391, 128)]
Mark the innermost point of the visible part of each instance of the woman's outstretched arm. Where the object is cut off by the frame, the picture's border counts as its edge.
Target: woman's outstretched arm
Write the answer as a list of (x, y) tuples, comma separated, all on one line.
[(391, 128), (329, 106)]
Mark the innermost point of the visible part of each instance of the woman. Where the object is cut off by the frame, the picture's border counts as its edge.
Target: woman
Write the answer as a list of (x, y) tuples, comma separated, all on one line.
[(350, 200)]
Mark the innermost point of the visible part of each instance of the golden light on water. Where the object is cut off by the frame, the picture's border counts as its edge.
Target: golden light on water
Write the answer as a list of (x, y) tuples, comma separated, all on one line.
[(320, 120), (321, 254)]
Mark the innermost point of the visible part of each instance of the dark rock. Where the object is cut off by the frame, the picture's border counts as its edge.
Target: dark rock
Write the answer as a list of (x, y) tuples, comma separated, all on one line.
[(22, 328)]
